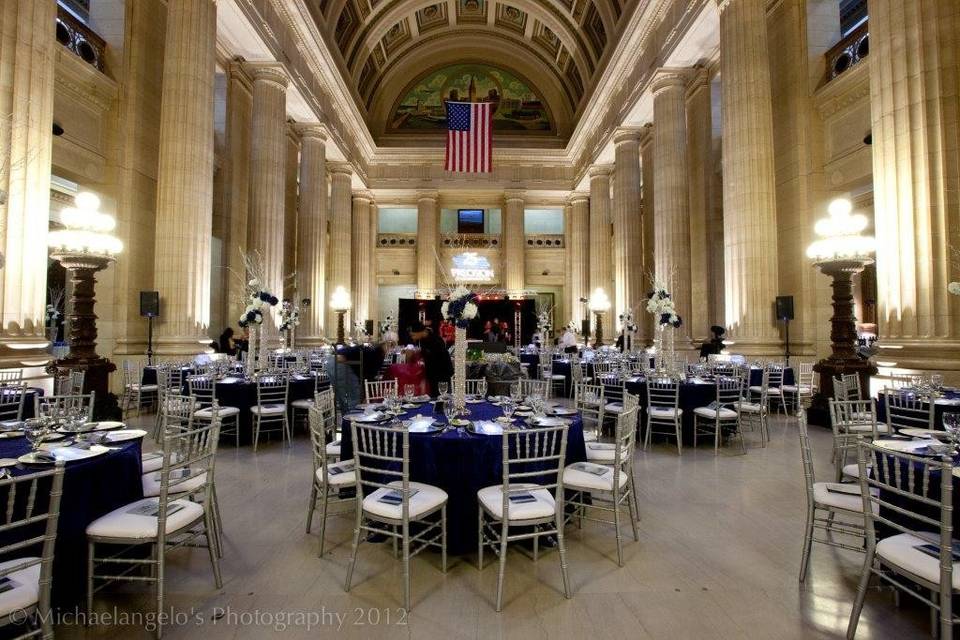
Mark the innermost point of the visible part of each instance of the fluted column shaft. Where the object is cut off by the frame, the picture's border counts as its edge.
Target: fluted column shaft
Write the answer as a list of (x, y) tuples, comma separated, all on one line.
[(749, 200), (373, 301), (312, 233), (627, 223), (340, 231), (237, 185), (268, 165), (699, 163), (360, 255), (916, 134), (601, 260), (185, 178), (514, 243), (579, 252), (428, 233), (644, 320), (671, 188)]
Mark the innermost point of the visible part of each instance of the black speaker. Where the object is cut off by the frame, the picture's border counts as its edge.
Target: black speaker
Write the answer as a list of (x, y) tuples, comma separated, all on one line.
[(585, 327), (150, 304), (784, 307), (368, 327)]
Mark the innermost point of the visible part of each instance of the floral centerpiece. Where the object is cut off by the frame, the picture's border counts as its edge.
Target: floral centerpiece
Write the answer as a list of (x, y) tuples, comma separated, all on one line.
[(661, 306), (629, 329), (544, 326), (573, 327), (259, 301), (289, 319), (460, 308)]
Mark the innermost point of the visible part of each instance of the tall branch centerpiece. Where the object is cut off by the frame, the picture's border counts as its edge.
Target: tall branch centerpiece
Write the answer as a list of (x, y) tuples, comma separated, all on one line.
[(660, 305), (460, 308)]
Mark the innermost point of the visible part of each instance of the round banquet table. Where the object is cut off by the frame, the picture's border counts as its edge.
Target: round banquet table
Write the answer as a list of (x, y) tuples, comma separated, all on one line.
[(948, 403), (91, 488), (461, 464)]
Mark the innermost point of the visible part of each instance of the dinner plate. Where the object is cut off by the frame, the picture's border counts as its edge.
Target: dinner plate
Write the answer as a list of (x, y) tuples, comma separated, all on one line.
[(10, 434), (905, 446), (523, 414), (106, 425), (409, 405), (460, 422), (420, 399), (563, 411), (922, 433), (424, 426), (473, 400), (370, 418), (7, 462), (546, 421), (123, 435), (487, 428)]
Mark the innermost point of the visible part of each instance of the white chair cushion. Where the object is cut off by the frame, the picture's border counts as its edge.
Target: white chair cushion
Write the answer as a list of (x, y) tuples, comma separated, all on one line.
[(269, 409), (707, 412), (122, 524), (333, 448), (222, 411), (770, 390), (749, 407), (152, 461), (865, 428), (837, 500), (558, 376), (853, 470), (602, 452), (343, 478), (151, 483), (899, 551), (793, 388), (577, 480), (144, 387), (305, 403), (26, 590), (664, 412), (426, 499), (542, 507), (613, 407)]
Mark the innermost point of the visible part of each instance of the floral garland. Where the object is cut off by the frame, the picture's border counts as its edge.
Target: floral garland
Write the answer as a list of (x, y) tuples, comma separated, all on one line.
[(289, 316), (461, 307), (259, 300), (544, 326), (660, 305)]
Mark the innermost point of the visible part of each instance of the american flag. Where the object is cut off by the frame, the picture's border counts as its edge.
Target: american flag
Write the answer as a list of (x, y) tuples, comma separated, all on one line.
[(469, 137)]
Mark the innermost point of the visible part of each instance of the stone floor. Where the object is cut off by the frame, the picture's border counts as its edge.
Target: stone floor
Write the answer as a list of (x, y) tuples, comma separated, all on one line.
[(718, 557)]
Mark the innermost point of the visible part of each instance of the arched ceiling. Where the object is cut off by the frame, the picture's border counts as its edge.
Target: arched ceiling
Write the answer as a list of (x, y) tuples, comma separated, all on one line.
[(555, 47)]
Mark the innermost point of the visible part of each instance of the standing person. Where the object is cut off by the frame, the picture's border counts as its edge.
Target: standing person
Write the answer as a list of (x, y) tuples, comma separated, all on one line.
[(436, 359), (448, 332), (226, 344), (568, 341)]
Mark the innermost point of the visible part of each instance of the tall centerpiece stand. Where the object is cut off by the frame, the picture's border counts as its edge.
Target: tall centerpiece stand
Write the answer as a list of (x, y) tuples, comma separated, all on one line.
[(259, 302), (660, 306), (629, 329), (460, 308), (289, 321)]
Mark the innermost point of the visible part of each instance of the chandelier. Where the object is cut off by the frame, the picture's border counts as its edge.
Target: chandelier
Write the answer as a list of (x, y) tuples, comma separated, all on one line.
[(87, 232)]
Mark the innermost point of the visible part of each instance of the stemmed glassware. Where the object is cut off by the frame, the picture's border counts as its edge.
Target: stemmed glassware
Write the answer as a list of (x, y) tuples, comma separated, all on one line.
[(442, 388), (951, 424), (508, 406), (408, 390), (34, 429)]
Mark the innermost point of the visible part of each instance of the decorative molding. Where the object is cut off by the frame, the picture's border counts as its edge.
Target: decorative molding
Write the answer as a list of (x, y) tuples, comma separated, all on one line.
[(271, 72), (668, 77), (83, 83), (843, 92)]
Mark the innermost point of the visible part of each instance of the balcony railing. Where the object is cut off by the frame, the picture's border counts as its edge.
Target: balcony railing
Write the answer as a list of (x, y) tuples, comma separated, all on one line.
[(389, 240), (545, 241), (470, 240), (853, 48), (80, 39)]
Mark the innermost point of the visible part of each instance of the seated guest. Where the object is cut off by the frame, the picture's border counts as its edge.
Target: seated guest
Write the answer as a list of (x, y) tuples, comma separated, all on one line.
[(227, 345), (715, 346), (436, 359)]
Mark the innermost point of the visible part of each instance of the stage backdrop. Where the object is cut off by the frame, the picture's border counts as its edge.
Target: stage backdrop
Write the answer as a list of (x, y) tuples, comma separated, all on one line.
[(502, 310)]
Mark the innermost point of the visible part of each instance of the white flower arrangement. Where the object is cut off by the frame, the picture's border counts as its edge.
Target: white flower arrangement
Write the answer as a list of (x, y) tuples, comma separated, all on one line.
[(627, 323), (544, 326), (360, 327), (500, 357), (954, 288), (460, 307), (660, 305), (258, 301), (52, 314), (388, 324), (573, 327), (289, 316)]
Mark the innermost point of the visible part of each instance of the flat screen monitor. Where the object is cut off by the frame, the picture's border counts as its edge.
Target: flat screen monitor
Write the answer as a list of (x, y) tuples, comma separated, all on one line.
[(469, 220)]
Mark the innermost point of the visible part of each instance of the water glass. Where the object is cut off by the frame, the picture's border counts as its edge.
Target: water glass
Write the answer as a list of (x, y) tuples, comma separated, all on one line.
[(408, 390), (936, 381), (34, 429), (508, 406), (951, 424)]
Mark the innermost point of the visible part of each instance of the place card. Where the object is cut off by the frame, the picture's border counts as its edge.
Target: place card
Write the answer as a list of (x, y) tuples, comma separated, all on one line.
[(152, 509), (934, 550), (594, 469), (522, 498), (395, 497), (336, 470), (7, 584)]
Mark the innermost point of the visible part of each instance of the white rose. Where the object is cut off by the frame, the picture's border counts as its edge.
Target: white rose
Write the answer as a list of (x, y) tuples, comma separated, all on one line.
[(954, 288), (444, 308), (254, 283), (470, 311)]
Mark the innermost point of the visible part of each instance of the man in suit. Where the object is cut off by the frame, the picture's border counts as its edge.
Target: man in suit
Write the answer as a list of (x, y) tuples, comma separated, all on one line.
[(436, 359)]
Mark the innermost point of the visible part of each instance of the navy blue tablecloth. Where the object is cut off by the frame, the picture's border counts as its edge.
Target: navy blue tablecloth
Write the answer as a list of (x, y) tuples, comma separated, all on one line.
[(940, 407), (461, 465), (91, 488)]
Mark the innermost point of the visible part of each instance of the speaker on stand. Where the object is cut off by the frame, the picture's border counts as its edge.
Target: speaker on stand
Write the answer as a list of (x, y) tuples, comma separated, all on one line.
[(785, 314), (149, 309)]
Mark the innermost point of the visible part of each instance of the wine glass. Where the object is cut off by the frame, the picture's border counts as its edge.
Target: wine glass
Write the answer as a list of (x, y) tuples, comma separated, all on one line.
[(515, 392), (34, 429), (951, 424), (408, 390), (508, 407), (936, 382), (443, 387)]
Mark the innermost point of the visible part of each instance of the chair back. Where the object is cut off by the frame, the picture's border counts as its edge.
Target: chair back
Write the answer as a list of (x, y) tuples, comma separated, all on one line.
[(176, 412), (626, 440), (201, 388), (533, 456), (323, 429), (806, 456), (11, 376), (272, 389), (476, 387), (132, 373), (379, 390), (907, 408), (774, 371), (663, 393), (529, 387), (12, 398), (67, 403), (728, 391), (805, 375), (188, 455), (605, 371), (919, 490), (847, 387), (28, 523), (589, 401), (381, 455)]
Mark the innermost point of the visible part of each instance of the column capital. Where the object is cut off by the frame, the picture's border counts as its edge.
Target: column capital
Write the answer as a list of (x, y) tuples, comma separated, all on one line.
[(722, 5), (428, 194), (666, 78), (578, 197), (270, 72), (342, 168), (363, 194), (646, 134), (600, 171), (311, 130), (626, 135), (514, 194)]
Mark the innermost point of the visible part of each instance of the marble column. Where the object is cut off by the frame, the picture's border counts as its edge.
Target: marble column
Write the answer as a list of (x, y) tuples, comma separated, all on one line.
[(628, 268), (360, 255), (339, 266), (373, 302), (268, 166), (312, 233), (749, 200), (185, 179), (237, 185), (601, 260), (671, 225), (579, 252), (290, 196), (916, 134), (514, 243), (644, 320), (428, 233), (699, 170), (567, 264)]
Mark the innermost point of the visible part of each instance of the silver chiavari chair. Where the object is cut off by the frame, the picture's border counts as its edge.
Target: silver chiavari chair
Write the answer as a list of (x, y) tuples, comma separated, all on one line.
[(29, 522), (271, 408), (825, 502), (320, 382), (181, 515), (609, 486), (79, 402), (803, 387), (589, 401), (604, 452), (847, 387), (71, 383), (378, 390), (912, 498), (907, 408), (754, 410), (530, 496), (558, 381), (476, 387), (203, 389), (529, 387), (135, 393), (663, 410), (329, 477), (720, 414), (851, 420), (382, 464), (12, 399)]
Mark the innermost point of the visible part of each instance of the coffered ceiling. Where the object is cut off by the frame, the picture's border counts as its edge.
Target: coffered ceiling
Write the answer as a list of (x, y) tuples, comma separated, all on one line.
[(538, 58)]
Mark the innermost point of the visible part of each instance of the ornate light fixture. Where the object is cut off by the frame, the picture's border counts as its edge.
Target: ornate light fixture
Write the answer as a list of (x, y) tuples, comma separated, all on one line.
[(85, 247), (599, 304), (841, 252), (340, 302)]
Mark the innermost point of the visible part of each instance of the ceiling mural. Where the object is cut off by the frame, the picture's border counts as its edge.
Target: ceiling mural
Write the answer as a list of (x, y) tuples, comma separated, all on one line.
[(518, 108)]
